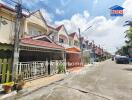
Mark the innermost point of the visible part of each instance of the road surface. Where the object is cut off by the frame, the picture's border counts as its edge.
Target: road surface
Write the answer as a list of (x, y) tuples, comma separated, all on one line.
[(105, 81)]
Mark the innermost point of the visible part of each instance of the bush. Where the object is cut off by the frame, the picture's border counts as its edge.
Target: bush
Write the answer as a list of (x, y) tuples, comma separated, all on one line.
[(61, 68)]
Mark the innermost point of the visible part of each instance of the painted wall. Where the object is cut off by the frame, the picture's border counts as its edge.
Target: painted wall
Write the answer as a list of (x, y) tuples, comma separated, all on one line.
[(6, 28), (66, 41), (35, 24)]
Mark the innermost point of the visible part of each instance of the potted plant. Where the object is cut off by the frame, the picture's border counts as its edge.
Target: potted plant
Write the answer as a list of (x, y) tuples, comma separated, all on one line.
[(7, 87), (19, 83)]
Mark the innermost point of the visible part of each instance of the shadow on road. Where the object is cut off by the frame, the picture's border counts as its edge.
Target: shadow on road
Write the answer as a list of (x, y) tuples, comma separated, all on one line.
[(128, 69)]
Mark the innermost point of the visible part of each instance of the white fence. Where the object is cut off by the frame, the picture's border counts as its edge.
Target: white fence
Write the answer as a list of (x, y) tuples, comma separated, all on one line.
[(33, 70)]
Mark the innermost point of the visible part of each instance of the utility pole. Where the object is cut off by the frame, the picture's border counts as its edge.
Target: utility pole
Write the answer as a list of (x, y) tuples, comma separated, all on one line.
[(81, 48), (80, 45), (18, 9)]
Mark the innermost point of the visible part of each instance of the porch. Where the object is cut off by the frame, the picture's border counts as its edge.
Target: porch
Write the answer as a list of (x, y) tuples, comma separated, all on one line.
[(39, 62), (39, 56)]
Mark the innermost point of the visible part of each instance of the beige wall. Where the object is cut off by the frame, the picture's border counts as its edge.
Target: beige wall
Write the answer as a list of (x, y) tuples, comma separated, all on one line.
[(36, 23), (7, 30)]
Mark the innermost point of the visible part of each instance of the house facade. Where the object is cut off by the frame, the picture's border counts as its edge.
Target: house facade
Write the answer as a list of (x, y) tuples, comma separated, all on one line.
[(7, 24), (38, 54), (37, 48), (73, 53)]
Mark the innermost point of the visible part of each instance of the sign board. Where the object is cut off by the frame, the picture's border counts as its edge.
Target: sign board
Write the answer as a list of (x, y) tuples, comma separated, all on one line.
[(116, 11)]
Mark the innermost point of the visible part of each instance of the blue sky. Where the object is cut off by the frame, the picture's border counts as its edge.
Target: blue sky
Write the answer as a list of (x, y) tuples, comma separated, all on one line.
[(70, 7), (106, 31)]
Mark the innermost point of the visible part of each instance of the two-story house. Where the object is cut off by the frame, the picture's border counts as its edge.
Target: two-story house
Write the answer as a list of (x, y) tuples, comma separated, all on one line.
[(38, 54), (73, 53), (37, 47), (7, 24)]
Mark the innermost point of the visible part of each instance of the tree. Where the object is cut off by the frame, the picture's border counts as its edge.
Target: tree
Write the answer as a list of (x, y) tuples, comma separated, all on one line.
[(129, 36), (129, 33), (127, 49), (128, 23)]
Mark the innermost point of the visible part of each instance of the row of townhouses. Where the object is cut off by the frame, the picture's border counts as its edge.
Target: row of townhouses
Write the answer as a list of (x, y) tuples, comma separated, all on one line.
[(41, 47)]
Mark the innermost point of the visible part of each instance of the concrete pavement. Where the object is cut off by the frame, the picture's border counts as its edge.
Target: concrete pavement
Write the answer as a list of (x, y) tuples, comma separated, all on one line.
[(105, 81)]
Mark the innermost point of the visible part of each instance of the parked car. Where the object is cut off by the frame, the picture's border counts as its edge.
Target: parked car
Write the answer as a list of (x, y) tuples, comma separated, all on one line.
[(130, 59), (122, 60)]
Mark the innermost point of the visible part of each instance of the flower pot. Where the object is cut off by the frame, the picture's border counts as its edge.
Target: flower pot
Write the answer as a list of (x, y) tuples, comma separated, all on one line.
[(7, 89)]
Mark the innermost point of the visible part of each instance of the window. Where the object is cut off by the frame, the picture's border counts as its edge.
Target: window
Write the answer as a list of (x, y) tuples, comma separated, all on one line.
[(39, 32), (53, 38), (76, 43), (70, 42), (34, 31), (61, 40), (84, 46)]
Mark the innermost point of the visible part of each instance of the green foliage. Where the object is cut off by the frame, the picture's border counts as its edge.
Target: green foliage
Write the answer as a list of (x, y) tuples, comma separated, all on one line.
[(125, 49), (61, 68), (129, 33), (86, 59)]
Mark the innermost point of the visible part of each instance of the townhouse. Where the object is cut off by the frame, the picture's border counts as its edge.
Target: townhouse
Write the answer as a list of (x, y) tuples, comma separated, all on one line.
[(73, 53), (71, 44), (38, 54), (7, 24)]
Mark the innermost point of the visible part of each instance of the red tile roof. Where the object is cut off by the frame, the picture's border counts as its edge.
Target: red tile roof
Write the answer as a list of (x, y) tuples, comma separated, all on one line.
[(59, 27), (62, 37), (51, 27), (9, 8), (6, 7), (30, 41), (72, 34)]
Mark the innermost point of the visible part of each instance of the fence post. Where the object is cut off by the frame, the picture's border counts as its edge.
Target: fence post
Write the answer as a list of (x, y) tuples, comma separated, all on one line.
[(35, 68)]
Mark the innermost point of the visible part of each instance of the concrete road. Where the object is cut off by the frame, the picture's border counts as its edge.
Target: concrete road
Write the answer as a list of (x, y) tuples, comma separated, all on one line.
[(105, 81)]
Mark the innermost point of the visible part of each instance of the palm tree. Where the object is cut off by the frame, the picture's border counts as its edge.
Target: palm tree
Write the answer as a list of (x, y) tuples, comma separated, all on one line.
[(128, 47), (129, 32), (128, 23)]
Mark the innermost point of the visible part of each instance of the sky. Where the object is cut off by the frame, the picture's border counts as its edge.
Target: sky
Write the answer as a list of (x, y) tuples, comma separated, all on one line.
[(106, 31)]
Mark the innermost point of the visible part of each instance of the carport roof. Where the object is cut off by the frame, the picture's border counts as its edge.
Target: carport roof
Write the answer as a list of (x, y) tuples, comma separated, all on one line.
[(34, 41)]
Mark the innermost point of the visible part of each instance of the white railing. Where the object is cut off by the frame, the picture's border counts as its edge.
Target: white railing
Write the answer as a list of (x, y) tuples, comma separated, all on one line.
[(30, 70), (33, 70)]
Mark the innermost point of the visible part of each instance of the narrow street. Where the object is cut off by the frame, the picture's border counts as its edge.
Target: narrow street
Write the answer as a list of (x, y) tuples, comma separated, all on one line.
[(105, 81)]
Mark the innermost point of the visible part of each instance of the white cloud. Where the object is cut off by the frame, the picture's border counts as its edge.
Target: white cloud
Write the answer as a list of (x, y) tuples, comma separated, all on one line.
[(107, 32), (128, 8), (48, 16), (76, 21), (59, 12)]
